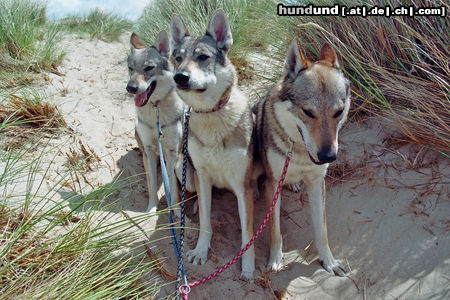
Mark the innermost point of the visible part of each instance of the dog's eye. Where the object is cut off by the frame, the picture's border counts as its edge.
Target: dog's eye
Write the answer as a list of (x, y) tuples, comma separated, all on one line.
[(338, 113), (202, 57), (130, 69), (148, 69), (309, 113), (178, 59)]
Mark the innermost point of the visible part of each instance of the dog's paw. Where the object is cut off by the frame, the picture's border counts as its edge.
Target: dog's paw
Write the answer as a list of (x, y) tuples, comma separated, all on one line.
[(276, 265), (246, 275), (151, 209), (295, 187), (197, 256), (334, 267), (276, 258)]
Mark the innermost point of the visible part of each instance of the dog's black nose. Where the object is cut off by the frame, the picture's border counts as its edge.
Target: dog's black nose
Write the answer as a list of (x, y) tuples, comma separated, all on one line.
[(326, 156), (181, 78), (132, 89)]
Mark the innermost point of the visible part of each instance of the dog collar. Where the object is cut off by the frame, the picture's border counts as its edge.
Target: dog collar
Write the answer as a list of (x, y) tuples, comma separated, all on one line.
[(222, 102)]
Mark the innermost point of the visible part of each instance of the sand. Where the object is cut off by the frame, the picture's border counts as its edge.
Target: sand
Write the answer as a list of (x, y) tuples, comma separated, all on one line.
[(388, 219)]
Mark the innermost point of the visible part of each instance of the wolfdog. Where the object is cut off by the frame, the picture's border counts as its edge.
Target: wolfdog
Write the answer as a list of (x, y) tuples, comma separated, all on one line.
[(221, 127), (151, 80), (306, 107)]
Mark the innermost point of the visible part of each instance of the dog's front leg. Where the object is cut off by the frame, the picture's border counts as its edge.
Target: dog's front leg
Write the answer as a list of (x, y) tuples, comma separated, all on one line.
[(244, 194), (150, 164), (200, 253), (171, 161), (276, 240), (316, 195)]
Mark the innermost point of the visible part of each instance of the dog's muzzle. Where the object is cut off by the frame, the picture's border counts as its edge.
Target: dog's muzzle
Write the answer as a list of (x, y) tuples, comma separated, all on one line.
[(326, 156), (182, 80), (132, 89)]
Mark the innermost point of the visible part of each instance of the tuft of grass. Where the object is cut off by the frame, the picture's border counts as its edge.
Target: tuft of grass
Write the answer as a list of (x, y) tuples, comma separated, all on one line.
[(398, 65), (196, 15), (55, 248), (98, 24), (19, 21), (26, 115), (27, 42), (32, 112), (84, 159)]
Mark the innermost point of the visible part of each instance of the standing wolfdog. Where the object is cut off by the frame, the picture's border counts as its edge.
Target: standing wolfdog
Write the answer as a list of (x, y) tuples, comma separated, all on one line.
[(306, 107), (220, 141)]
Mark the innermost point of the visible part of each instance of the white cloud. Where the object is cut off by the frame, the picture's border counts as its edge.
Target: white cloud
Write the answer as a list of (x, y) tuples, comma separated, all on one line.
[(131, 9)]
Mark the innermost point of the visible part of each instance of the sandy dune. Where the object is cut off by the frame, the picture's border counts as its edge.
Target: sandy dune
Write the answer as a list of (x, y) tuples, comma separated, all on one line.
[(389, 218)]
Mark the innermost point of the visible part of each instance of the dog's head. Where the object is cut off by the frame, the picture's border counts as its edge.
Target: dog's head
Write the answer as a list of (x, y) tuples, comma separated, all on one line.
[(202, 69), (149, 69), (318, 98)]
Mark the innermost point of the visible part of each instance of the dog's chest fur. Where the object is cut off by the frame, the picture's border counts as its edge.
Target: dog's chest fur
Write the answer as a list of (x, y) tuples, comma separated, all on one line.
[(219, 142), (300, 167), (171, 112)]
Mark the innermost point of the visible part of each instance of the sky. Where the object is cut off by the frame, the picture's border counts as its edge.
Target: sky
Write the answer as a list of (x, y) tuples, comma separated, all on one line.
[(131, 9)]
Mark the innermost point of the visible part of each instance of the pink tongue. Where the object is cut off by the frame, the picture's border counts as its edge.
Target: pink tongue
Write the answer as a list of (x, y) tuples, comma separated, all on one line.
[(140, 99)]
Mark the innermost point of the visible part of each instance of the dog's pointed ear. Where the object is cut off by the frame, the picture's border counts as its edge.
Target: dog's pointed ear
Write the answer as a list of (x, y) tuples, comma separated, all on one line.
[(328, 55), (219, 30), (162, 43), (295, 60), (136, 42), (178, 30)]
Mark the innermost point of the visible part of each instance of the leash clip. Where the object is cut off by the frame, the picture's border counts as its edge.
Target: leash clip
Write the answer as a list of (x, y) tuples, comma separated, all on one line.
[(187, 113), (158, 126), (185, 289), (291, 146)]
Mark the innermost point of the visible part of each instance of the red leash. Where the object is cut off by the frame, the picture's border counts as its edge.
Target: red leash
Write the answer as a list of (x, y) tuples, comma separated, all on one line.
[(185, 289)]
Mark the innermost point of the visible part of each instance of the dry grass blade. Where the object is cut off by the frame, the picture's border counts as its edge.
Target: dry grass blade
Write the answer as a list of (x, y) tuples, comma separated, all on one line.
[(344, 170), (37, 114), (23, 118), (83, 159)]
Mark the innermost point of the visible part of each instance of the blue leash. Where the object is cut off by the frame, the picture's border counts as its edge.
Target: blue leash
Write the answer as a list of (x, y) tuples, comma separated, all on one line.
[(176, 246)]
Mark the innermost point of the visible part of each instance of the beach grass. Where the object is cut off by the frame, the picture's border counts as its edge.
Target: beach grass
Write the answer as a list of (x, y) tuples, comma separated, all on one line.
[(196, 15), (398, 66), (66, 245), (97, 23), (28, 42)]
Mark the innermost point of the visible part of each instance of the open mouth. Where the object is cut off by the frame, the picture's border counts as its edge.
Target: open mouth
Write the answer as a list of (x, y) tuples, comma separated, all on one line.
[(314, 161), (142, 98), (186, 87)]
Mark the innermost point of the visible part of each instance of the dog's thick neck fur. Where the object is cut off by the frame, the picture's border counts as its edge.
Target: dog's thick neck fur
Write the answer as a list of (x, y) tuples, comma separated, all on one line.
[(275, 111), (222, 102), (222, 123)]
